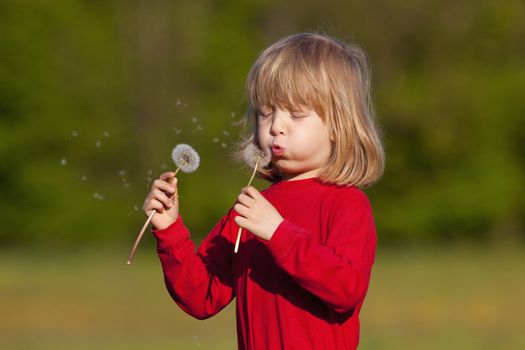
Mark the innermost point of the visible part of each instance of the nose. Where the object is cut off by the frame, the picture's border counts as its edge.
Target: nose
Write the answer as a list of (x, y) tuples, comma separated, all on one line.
[(278, 125)]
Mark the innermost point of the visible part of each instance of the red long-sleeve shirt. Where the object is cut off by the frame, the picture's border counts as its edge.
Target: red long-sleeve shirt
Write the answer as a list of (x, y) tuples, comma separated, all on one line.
[(302, 289)]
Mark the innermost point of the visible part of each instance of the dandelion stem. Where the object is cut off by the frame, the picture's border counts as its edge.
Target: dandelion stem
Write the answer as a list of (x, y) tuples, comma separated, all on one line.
[(240, 228), (139, 237)]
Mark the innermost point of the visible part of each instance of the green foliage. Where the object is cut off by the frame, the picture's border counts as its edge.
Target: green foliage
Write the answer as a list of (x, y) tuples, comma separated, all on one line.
[(91, 89)]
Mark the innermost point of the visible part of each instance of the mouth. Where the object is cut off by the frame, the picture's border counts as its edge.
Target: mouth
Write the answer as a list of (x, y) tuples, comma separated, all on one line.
[(277, 150)]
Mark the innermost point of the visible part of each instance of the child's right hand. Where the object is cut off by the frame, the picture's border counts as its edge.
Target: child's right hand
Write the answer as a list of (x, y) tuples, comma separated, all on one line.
[(160, 199)]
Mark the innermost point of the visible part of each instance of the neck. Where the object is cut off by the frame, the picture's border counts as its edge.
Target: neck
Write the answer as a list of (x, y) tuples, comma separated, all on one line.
[(300, 176)]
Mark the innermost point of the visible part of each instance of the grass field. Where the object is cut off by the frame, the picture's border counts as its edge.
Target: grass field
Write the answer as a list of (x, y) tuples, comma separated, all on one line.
[(454, 298)]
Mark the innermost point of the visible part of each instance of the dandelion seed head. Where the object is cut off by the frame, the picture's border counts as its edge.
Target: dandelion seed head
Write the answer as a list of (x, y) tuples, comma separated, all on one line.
[(185, 158), (252, 153)]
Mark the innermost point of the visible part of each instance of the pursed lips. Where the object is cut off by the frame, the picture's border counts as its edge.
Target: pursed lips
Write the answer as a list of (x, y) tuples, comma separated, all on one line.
[(277, 150)]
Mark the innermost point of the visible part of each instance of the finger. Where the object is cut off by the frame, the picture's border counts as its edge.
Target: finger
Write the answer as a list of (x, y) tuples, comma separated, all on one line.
[(153, 204), (167, 176), (245, 199), (161, 196), (166, 187), (251, 191), (241, 209), (240, 221)]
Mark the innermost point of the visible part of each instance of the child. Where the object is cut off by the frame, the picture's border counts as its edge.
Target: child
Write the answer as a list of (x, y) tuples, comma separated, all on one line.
[(308, 244)]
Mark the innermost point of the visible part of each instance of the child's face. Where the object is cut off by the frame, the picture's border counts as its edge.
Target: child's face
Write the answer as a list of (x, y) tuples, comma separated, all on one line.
[(299, 141)]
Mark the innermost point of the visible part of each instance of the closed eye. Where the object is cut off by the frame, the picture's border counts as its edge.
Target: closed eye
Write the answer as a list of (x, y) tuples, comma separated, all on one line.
[(298, 115), (264, 115)]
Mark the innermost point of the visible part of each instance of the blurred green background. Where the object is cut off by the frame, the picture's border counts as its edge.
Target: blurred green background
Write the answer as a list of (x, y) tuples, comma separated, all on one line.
[(95, 94)]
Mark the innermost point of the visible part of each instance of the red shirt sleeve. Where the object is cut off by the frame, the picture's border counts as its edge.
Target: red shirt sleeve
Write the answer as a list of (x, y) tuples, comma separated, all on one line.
[(338, 272), (201, 282)]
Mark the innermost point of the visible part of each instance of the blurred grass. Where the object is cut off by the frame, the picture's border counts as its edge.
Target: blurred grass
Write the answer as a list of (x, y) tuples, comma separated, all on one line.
[(424, 298)]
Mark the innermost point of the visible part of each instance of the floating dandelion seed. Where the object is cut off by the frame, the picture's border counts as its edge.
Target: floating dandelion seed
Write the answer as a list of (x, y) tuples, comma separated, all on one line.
[(83, 178), (98, 196), (98, 143), (215, 140), (106, 134), (180, 103), (122, 172), (194, 120), (223, 145), (196, 339), (254, 157), (136, 208), (73, 135), (177, 131), (232, 113), (187, 160), (63, 161), (126, 184), (226, 133)]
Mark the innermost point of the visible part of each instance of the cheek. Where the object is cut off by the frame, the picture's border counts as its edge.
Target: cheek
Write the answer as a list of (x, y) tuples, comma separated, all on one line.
[(262, 137)]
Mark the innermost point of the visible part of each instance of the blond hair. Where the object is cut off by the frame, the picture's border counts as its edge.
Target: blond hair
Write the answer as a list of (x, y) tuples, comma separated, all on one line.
[(333, 79)]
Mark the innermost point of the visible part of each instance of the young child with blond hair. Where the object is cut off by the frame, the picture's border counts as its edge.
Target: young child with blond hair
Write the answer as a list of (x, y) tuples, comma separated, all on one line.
[(308, 245)]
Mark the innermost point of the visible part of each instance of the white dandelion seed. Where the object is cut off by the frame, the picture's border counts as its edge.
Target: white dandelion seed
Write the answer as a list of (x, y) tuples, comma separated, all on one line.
[(136, 207), (194, 119), (122, 172), (177, 131), (98, 143), (232, 113), (215, 140), (226, 133), (196, 340), (126, 184), (83, 178), (98, 196), (106, 134), (74, 133), (63, 161), (223, 145), (180, 103)]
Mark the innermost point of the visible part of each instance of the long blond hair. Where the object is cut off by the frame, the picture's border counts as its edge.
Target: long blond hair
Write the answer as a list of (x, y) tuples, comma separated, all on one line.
[(333, 79)]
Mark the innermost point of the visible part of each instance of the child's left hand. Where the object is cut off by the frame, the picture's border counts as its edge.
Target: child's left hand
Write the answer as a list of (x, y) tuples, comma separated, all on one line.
[(256, 214)]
